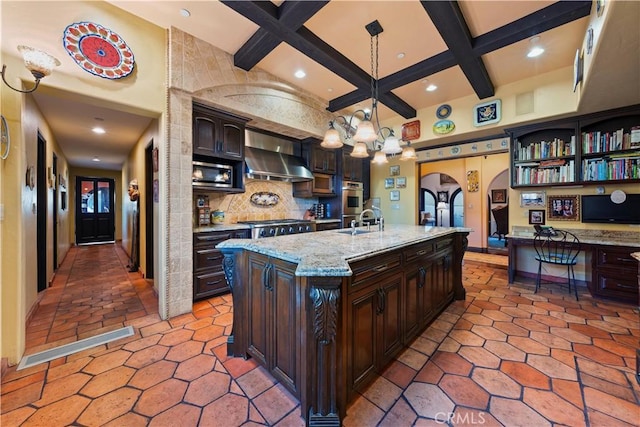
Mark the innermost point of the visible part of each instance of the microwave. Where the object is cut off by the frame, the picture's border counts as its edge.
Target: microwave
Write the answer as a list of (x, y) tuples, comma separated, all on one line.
[(211, 176)]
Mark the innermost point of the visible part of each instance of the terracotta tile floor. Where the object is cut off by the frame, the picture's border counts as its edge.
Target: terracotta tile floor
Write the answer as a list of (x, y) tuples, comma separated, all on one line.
[(505, 356)]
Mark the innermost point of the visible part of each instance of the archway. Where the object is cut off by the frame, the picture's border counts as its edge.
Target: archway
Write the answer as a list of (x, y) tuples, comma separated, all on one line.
[(441, 201)]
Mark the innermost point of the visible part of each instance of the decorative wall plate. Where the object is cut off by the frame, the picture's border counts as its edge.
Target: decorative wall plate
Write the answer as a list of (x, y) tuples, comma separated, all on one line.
[(263, 198), (443, 111), (411, 130), (5, 138), (98, 50), (443, 127)]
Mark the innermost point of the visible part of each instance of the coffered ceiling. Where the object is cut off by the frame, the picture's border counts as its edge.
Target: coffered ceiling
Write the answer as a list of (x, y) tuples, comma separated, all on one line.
[(465, 48)]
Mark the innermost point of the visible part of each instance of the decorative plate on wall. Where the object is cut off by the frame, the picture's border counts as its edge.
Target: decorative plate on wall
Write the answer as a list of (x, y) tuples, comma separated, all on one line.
[(98, 50), (263, 198)]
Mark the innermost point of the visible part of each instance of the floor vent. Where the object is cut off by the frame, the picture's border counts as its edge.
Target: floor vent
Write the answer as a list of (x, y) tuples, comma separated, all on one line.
[(74, 347)]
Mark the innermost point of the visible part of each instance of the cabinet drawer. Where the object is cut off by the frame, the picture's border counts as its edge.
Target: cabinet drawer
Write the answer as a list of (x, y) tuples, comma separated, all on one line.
[(372, 267), (418, 251), (209, 284), (617, 284), (443, 244), (211, 239), (207, 258), (615, 257)]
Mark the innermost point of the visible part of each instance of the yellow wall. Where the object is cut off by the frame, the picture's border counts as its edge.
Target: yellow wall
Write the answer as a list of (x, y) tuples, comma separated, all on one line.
[(135, 168), (144, 92)]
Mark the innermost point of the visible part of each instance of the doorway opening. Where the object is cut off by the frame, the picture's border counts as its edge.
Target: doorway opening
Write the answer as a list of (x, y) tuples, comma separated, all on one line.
[(442, 201), (95, 210), (498, 213)]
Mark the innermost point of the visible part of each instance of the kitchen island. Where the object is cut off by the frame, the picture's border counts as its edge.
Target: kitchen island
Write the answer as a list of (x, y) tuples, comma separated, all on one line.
[(325, 312)]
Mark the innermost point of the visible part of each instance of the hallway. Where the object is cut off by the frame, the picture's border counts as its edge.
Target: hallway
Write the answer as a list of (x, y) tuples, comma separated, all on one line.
[(505, 356)]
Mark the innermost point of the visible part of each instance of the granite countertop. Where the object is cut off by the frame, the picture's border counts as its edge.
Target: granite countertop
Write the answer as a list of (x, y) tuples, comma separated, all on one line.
[(594, 237), (220, 227), (328, 253)]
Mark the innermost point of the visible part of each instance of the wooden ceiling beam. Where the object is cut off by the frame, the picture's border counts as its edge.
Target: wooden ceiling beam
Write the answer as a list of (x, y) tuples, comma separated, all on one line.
[(550, 17), (303, 40), (292, 14), (450, 23)]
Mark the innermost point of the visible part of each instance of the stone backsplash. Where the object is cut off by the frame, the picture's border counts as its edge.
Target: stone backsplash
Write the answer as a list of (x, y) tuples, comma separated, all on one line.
[(238, 206)]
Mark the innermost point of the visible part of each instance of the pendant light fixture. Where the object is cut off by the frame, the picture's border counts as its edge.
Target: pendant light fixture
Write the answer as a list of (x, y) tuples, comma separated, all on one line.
[(408, 152)]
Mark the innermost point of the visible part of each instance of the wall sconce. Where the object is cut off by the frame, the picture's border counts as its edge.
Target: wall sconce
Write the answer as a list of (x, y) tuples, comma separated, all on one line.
[(38, 62)]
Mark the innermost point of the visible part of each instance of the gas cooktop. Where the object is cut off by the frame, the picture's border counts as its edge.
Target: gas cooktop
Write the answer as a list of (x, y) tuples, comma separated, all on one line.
[(268, 222), (279, 227)]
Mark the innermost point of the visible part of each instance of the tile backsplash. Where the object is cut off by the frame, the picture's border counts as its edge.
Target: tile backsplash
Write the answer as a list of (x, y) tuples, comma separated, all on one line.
[(238, 206)]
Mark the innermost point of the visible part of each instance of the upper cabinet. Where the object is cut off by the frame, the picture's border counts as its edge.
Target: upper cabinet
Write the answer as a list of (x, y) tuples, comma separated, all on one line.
[(217, 134), (322, 160), (352, 167), (598, 147)]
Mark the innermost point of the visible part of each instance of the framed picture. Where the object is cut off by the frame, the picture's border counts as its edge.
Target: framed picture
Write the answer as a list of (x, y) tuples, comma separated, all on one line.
[(394, 170), (499, 196), (446, 179), (443, 196), (154, 157), (532, 199), (536, 216), (487, 113), (389, 183), (401, 182), (473, 181), (394, 195), (563, 208)]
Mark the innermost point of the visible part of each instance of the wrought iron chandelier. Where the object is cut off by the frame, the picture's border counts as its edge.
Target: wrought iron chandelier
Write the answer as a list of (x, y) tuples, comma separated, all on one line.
[(363, 131)]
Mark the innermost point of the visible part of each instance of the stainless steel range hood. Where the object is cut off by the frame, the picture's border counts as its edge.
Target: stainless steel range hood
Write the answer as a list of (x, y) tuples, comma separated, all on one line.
[(268, 157)]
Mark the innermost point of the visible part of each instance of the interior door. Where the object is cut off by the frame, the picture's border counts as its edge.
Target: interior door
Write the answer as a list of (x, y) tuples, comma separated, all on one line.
[(95, 217)]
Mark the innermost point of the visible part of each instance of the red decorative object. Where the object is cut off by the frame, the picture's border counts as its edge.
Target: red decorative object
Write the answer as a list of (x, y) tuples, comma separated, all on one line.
[(98, 50), (411, 130)]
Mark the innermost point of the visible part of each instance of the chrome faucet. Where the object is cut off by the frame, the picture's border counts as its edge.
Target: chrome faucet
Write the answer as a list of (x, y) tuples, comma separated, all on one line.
[(379, 220), (353, 227)]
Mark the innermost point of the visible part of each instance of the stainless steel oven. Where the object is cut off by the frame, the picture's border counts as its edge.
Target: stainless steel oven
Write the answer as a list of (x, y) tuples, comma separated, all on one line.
[(211, 176), (352, 195)]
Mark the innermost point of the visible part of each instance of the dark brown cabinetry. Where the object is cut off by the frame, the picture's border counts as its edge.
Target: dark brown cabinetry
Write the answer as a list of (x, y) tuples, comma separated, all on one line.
[(218, 138), (208, 276), (216, 134), (591, 149), (614, 273), (322, 160), (322, 185), (273, 323), (352, 167)]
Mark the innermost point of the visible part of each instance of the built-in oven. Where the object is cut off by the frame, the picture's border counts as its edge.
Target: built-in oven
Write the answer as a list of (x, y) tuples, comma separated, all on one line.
[(211, 175), (352, 195)]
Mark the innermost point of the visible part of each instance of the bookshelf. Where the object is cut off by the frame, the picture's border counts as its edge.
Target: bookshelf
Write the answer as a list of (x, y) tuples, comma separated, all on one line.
[(596, 148)]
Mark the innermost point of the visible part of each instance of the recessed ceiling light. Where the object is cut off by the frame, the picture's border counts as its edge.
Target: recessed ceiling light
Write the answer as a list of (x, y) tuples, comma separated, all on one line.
[(300, 74), (185, 13), (330, 89), (98, 130), (431, 88), (535, 51), (95, 159), (400, 55)]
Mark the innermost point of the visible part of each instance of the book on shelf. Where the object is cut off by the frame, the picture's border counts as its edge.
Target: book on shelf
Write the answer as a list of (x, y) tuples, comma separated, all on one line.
[(546, 149), (601, 142)]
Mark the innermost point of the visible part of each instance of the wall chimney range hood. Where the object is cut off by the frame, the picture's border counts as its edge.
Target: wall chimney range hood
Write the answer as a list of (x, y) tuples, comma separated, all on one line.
[(268, 158)]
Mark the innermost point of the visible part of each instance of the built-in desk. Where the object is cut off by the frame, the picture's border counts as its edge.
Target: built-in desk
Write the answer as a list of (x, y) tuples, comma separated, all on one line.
[(614, 271)]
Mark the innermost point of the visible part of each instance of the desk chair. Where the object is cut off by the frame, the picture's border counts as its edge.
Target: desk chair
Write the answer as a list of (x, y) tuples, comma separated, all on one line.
[(559, 249)]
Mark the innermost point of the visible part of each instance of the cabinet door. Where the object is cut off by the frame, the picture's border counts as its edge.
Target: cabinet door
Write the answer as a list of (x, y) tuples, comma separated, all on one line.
[(389, 322), (284, 323), (418, 308), (205, 135), (259, 304), (232, 142), (323, 160), (363, 307), (209, 283), (351, 167)]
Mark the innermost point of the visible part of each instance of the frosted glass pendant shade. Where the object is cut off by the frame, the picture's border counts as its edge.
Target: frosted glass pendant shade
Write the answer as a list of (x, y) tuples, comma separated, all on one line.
[(360, 150), (409, 153), (391, 145), (331, 139), (380, 158), (365, 132)]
